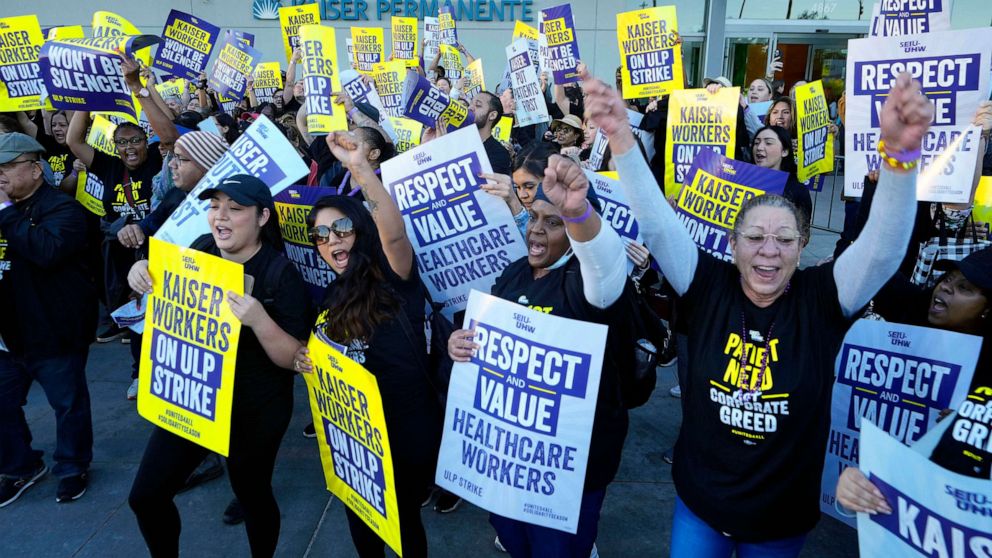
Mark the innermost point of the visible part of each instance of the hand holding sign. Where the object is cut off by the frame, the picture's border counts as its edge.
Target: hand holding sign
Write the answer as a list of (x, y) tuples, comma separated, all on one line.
[(856, 493), (566, 185), (138, 277), (247, 309), (130, 70), (905, 116), (983, 116), (461, 347)]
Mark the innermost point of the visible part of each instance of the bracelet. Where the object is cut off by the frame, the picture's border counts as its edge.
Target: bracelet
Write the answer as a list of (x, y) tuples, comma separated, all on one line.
[(905, 160), (352, 113), (842, 510), (581, 218)]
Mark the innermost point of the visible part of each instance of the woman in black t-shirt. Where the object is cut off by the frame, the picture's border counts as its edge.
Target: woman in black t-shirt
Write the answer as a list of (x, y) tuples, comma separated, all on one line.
[(762, 338), (961, 301), (591, 286), (375, 311), (274, 316)]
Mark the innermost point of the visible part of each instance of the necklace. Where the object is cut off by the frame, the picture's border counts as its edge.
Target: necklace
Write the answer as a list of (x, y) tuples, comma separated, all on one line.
[(746, 392)]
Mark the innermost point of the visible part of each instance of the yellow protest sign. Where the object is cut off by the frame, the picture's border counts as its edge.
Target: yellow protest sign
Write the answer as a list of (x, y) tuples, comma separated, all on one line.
[(503, 128), (650, 59), (190, 344), (451, 61), (291, 18), (408, 132), (476, 80), (368, 48), (612, 175), (351, 434), (268, 75), (109, 24), (172, 88), (101, 135), (405, 42), (698, 120), (20, 74), (321, 76), (521, 29), (89, 193), (815, 151), (66, 32), (388, 78), (982, 212)]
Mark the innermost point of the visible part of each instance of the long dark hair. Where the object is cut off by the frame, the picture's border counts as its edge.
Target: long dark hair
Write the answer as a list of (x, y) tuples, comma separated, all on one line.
[(788, 161), (534, 158), (360, 298), (233, 132)]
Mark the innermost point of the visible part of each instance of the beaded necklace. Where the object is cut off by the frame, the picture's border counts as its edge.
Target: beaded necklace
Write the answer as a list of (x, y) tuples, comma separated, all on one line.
[(745, 392)]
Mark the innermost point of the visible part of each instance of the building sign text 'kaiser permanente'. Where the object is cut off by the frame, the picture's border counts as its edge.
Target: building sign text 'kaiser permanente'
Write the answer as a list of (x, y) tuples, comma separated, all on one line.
[(359, 10)]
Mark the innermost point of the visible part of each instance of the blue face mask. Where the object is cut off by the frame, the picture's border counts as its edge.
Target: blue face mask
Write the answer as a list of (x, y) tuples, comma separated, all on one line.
[(561, 261)]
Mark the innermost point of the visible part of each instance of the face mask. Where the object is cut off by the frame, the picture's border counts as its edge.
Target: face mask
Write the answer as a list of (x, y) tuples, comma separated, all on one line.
[(561, 261)]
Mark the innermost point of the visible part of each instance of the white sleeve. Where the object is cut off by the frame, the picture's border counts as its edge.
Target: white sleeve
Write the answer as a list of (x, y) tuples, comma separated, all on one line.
[(666, 237), (603, 269), (874, 257)]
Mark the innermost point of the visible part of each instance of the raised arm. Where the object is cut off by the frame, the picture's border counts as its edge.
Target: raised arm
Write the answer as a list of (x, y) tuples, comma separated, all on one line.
[(30, 128), (872, 259), (160, 121), (598, 248), (75, 137), (664, 235), (354, 154), (287, 90)]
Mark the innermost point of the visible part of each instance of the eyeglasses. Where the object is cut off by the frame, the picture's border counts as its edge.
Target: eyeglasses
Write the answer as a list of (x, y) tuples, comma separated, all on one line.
[(341, 228), (136, 140), (756, 239), (8, 167)]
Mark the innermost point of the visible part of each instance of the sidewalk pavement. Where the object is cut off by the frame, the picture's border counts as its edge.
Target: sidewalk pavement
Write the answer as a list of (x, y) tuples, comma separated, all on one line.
[(636, 519)]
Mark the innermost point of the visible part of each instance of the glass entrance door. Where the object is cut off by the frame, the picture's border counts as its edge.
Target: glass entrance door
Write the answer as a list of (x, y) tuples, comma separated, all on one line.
[(809, 57)]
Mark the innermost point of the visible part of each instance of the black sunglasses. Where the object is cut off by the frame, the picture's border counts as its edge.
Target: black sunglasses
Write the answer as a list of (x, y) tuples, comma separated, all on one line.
[(341, 228)]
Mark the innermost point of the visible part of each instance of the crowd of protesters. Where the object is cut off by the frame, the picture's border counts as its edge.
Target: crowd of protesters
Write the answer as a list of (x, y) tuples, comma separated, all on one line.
[(68, 269)]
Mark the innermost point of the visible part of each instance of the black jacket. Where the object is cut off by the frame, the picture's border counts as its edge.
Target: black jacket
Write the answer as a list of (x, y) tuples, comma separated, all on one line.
[(48, 303)]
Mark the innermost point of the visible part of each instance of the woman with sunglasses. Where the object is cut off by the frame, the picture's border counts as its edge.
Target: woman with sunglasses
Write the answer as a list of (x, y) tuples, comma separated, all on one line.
[(375, 311), (274, 316), (762, 338), (127, 194)]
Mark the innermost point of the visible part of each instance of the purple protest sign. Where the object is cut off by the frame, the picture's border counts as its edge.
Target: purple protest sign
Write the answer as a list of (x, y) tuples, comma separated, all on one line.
[(244, 37), (425, 103), (235, 62), (186, 45), (715, 189), (293, 205), (562, 56), (85, 74)]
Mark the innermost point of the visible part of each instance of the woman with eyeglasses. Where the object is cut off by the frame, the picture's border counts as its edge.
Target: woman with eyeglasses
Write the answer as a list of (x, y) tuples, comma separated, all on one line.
[(375, 311), (275, 317), (127, 195), (762, 337)]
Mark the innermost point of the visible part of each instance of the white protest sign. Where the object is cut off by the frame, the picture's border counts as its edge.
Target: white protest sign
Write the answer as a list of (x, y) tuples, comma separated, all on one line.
[(263, 152), (530, 107), (616, 209), (361, 90), (953, 68), (898, 377), (529, 392), (892, 18), (462, 237), (934, 512)]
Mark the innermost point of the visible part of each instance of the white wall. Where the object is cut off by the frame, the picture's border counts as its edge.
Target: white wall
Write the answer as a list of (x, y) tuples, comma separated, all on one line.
[(595, 26)]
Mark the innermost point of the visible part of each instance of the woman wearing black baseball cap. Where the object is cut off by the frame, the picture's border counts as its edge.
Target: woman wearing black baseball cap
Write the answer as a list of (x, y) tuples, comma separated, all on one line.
[(960, 301), (275, 316)]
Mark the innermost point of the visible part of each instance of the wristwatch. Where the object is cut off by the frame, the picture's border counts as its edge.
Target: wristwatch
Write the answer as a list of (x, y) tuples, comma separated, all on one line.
[(144, 93)]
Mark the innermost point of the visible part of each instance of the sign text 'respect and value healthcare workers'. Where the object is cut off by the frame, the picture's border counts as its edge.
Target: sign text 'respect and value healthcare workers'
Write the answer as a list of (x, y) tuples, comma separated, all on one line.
[(519, 415), (190, 344), (462, 237), (899, 378)]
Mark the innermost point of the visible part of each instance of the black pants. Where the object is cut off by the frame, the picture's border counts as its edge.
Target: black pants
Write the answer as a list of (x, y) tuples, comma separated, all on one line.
[(168, 461), (414, 441)]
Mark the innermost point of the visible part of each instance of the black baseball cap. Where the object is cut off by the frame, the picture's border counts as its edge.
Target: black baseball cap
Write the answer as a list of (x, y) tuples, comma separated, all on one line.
[(243, 189), (976, 268)]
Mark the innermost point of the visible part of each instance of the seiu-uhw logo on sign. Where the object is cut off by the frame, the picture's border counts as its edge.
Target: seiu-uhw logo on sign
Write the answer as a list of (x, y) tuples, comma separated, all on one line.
[(971, 502)]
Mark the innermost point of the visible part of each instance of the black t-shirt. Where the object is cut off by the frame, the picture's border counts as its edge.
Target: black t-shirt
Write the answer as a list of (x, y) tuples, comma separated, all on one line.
[(753, 470), (284, 297), (126, 193), (560, 293), (59, 156), (798, 194), (408, 400), (957, 450), (499, 157), (292, 106)]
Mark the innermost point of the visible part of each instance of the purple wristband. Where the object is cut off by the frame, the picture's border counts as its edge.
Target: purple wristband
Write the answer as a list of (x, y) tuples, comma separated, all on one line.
[(581, 218), (904, 156), (6, 204)]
